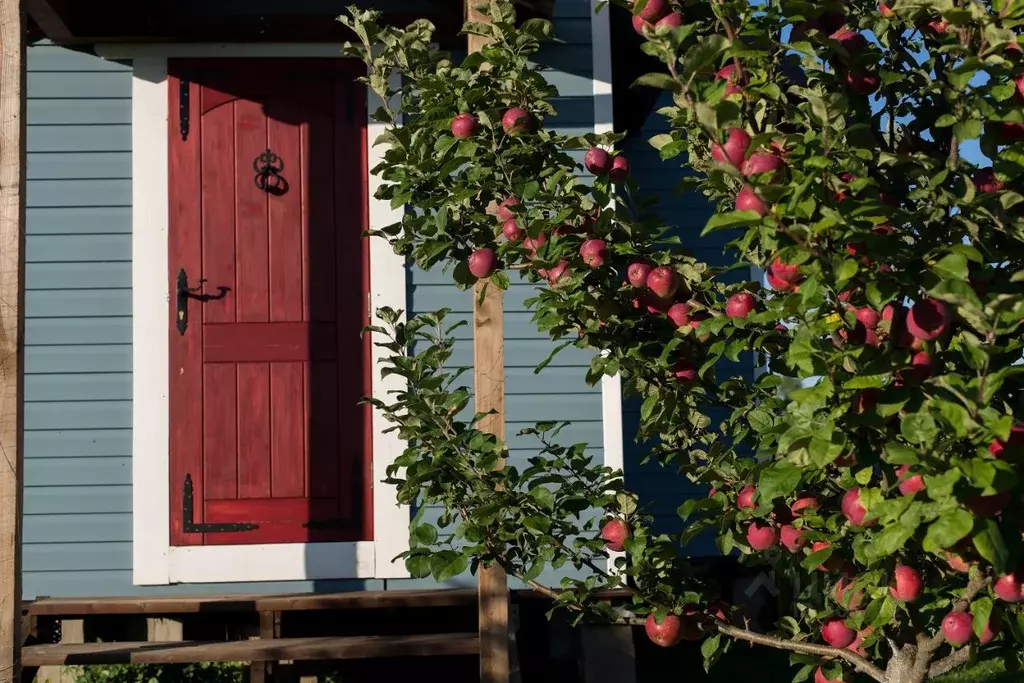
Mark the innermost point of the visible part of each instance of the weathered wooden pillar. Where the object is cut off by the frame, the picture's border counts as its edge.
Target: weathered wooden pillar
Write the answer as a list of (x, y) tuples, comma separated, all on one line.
[(489, 388), (12, 294)]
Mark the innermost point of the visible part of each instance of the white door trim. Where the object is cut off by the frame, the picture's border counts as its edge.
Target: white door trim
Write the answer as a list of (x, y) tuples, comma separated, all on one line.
[(154, 560)]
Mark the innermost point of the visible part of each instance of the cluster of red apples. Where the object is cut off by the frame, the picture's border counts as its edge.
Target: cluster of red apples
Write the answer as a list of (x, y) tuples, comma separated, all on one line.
[(655, 14)]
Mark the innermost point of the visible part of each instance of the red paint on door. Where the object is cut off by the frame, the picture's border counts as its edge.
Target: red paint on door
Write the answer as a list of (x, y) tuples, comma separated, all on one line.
[(266, 380)]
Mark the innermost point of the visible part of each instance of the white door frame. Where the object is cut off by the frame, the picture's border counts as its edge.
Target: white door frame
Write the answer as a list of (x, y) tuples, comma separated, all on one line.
[(154, 560)]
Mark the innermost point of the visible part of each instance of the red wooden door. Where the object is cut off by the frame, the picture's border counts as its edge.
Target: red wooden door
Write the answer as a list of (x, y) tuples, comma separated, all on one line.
[(265, 427)]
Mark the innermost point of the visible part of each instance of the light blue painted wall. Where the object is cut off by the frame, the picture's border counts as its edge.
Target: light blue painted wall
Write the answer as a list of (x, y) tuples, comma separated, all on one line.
[(77, 528)]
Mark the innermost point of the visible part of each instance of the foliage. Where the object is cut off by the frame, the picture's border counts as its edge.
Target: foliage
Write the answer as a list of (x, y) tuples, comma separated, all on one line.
[(829, 136), (206, 672)]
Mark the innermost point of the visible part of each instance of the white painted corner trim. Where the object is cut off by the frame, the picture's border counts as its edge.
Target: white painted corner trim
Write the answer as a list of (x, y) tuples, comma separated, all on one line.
[(154, 560)]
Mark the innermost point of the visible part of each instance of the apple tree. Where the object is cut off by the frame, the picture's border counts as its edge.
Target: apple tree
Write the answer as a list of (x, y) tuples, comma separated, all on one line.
[(870, 160)]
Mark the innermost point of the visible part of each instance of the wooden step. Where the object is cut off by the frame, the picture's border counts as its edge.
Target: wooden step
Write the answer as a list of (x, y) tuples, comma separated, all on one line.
[(252, 603), (269, 650)]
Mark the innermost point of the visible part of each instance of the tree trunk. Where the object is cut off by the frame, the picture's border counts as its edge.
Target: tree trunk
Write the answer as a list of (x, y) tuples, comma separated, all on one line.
[(904, 666)]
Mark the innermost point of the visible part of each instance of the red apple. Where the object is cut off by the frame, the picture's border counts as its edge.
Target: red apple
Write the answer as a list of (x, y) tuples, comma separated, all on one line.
[(886, 10), (640, 25), (637, 274), (846, 596), (1015, 443), (833, 563), (957, 563), (558, 272), (594, 253), (740, 305), (482, 262), (909, 485), (906, 584), (728, 74), (836, 633), (762, 536), (663, 281), (517, 120), (734, 150), (532, 244), (868, 316), (747, 200), (620, 169), (653, 10), (988, 506), (935, 27), (852, 42), (820, 677), (861, 635), (665, 634), (679, 314), (762, 162), (792, 538), (745, 498), (854, 510), (653, 304), (695, 320), (1018, 82), (1009, 588), (779, 285), (957, 627), (862, 82), (804, 503), (504, 209), (985, 180), (464, 126), (512, 231), (671, 20), (597, 161), (719, 610), (789, 272), (928, 319), (685, 371), (614, 533)]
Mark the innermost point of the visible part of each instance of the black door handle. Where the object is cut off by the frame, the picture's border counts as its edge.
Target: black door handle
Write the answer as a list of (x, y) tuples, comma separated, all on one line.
[(182, 295)]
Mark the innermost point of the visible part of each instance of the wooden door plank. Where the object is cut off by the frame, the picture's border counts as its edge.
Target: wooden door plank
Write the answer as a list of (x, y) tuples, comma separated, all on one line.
[(218, 181), (184, 252), (288, 457), (251, 236), (324, 455), (220, 445), (359, 647), (12, 296), (286, 269), (253, 431), (268, 342)]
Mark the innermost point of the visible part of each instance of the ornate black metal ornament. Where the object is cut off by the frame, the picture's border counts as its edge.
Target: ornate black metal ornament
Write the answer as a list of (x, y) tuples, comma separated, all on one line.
[(183, 107), (268, 167), (187, 516)]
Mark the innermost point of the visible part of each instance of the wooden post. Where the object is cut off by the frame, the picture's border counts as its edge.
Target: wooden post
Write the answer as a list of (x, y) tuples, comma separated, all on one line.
[(489, 387), (12, 294)]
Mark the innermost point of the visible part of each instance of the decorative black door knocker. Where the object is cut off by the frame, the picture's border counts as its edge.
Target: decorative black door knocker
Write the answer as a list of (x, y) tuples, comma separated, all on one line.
[(268, 167)]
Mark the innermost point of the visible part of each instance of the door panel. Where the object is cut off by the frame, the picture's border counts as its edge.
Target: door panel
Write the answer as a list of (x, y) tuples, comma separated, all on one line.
[(266, 379)]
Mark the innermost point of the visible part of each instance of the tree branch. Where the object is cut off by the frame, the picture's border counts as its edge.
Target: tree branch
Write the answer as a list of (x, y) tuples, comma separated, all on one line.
[(949, 662), (859, 663)]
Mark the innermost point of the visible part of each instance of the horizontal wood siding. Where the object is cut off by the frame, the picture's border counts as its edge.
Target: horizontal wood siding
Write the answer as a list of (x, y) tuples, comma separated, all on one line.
[(558, 392)]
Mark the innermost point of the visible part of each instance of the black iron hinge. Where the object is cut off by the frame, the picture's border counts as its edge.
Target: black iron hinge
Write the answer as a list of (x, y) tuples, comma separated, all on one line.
[(183, 107), (187, 516), (315, 524)]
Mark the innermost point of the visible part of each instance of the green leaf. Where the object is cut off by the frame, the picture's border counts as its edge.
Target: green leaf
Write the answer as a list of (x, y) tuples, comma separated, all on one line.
[(447, 564), (658, 80), (418, 566), (919, 428), (952, 266), (981, 608), (967, 130), (950, 527), (544, 497), (990, 545), (887, 541), (425, 534), (779, 480), (710, 649), (730, 219)]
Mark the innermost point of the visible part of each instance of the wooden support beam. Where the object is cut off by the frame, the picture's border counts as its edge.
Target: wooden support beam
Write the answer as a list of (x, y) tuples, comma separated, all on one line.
[(12, 294), (51, 17), (489, 387)]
